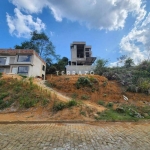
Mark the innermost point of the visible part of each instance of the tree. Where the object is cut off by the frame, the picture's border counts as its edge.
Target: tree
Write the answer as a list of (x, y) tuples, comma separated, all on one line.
[(41, 44), (129, 62), (101, 66)]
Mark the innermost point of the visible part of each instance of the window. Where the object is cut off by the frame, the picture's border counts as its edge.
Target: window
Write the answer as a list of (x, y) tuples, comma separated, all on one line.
[(2, 60), (23, 69), (25, 58), (80, 51), (1, 70), (43, 68), (87, 55)]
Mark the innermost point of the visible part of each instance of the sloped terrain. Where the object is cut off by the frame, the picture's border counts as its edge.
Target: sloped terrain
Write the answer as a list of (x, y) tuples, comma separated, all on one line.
[(27, 99), (101, 89)]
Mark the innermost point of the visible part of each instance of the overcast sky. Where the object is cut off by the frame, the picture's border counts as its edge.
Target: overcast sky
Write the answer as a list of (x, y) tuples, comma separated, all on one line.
[(112, 27)]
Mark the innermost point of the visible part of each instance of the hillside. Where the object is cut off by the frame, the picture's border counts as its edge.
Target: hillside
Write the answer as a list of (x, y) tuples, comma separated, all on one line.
[(101, 89), (68, 98)]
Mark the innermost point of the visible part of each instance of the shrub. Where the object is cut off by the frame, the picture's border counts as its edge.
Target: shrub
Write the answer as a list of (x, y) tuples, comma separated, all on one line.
[(132, 88), (3, 95), (83, 82), (0, 74), (100, 102), (5, 104), (17, 88), (2, 82), (45, 102), (83, 113), (85, 97), (27, 103), (59, 106), (74, 95), (110, 104), (72, 103)]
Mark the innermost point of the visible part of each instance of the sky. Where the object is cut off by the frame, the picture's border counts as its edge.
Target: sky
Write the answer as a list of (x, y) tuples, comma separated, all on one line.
[(112, 27)]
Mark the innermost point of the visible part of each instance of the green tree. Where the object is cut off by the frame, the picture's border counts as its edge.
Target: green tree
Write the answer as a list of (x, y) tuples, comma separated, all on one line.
[(129, 62), (101, 66), (41, 44)]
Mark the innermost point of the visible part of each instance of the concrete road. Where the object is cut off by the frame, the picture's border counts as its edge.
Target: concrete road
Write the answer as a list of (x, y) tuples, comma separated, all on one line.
[(101, 136)]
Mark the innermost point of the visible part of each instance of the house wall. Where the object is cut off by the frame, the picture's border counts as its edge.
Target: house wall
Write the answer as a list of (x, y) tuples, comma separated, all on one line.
[(37, 67)]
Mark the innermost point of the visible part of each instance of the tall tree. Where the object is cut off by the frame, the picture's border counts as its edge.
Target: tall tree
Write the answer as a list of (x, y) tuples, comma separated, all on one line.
[(129, 62), (41, 44), (100, 66)]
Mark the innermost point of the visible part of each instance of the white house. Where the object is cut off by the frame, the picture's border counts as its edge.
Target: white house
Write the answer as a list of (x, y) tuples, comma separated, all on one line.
[(24, 62)]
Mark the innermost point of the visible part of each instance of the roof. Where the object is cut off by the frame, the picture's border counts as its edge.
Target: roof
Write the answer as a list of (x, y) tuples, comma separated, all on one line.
[(14, 52)]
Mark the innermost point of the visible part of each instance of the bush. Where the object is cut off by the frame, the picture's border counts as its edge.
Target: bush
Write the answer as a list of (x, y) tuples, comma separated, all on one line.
[(3, 95), (59, 106), (100, 102), (74, 95), (5, 104), (110, 104), (72, 103), (85, 97), (45, 102), (27, 103)]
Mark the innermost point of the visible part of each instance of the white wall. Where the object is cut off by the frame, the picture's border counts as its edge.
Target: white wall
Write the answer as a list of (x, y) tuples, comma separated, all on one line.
[(80, 69), (36, 69)]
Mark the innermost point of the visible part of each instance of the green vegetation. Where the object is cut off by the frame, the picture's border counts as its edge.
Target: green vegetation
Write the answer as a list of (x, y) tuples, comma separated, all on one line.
[(62, 105), (133, 78), (124, 112), (86, 82), (23, 93), (100, 102), (85, 97)]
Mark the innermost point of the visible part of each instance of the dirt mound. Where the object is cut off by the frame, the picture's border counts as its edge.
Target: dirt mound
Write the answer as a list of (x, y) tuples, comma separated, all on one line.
[(108, 91)]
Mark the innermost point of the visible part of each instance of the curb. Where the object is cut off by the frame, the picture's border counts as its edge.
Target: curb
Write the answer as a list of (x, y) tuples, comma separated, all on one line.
[(71, 122)]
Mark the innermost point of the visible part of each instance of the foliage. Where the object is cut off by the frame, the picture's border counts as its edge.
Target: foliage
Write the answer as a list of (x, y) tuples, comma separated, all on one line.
[(21, 92), (100, 102), (0, 74), (61, 105), (86, 82), (72, 103), (41, 44), (129, 62), (100, 66), (110, 104), (59, 66), (85, 97)]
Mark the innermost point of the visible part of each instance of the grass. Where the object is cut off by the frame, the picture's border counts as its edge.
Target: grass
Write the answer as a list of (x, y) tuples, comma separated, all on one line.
[(22, 92), (112, 115), (124, 113)]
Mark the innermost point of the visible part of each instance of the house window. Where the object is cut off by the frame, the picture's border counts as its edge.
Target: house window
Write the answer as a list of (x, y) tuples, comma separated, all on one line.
[(23, 70), (1, 70), (2, 60), (24, 58), (43, 68)]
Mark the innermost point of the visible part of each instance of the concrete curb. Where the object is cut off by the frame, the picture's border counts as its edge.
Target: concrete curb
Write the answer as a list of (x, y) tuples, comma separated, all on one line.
[(71, 122)]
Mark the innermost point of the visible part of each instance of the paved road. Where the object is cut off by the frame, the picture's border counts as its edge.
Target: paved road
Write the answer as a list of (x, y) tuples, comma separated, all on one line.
[(103, 136)]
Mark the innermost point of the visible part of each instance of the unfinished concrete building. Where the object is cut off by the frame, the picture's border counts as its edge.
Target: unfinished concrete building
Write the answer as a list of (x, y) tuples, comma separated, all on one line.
[(24, 62), (81, 58)]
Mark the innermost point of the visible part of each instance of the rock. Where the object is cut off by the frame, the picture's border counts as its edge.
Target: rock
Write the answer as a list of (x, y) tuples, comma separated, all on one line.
[(125, 98)]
